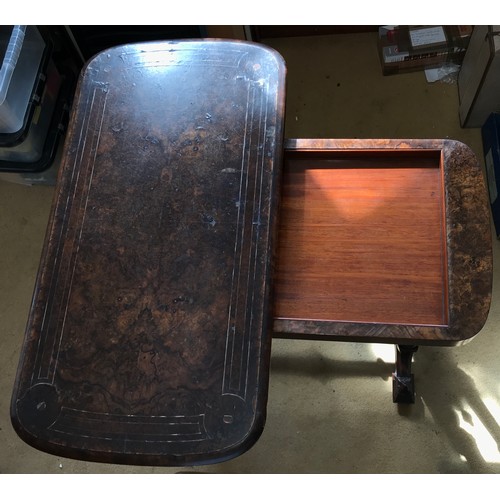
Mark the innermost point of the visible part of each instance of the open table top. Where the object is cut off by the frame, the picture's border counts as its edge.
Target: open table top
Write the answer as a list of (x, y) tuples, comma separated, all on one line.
[(383, 241), (149, 336)]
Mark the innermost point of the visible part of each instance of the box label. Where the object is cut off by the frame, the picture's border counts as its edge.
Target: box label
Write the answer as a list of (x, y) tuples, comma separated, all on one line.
[(490, 173), (427, 36), (392, 54)]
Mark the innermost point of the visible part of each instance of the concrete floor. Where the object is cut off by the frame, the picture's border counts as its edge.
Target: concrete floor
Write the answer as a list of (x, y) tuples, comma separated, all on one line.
[(330, 408)]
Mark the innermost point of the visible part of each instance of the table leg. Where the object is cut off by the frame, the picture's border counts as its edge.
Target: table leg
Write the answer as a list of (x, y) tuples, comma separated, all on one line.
[(403, 385)]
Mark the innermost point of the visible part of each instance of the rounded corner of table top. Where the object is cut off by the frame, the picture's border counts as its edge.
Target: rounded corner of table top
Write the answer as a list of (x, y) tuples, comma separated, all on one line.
[(41, 419), (462, 226), (250, 60), (149, 335)]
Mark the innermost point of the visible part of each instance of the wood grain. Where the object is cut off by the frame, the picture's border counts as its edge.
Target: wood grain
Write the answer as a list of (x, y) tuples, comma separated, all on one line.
[(362, 241), (149, 337), (383, 240)]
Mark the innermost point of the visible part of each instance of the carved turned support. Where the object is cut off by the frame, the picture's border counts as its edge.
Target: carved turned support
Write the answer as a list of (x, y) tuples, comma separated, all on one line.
[(403, 386)]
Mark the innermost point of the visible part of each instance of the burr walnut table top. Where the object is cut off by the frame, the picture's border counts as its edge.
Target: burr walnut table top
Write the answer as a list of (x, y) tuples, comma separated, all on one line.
[(177, 212), (149, 336)]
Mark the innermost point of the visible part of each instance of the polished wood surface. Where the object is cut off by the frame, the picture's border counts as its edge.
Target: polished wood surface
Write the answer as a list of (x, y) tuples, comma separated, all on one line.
[(361, 239), (149, 336), (383, 241)]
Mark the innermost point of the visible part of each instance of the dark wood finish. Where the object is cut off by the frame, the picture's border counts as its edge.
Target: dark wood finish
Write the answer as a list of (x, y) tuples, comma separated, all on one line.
[(403, 380), (383, 241), (149, 336)]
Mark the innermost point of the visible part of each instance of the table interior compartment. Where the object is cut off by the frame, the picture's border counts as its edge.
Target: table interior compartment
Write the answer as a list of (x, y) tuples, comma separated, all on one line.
[(362, 237)]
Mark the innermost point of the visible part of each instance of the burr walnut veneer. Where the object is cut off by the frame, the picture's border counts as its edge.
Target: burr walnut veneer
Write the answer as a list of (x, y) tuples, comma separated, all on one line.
[(177, 210), (383, 241), (150, 332)]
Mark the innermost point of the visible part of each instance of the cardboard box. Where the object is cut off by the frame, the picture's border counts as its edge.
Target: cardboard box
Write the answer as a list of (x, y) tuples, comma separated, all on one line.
[(415, 48), (491, 146), (479, 77)]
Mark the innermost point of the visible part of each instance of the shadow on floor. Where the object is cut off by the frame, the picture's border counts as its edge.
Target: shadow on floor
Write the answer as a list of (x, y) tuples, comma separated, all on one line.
[(443, 390), (453, 400), (322, 368)]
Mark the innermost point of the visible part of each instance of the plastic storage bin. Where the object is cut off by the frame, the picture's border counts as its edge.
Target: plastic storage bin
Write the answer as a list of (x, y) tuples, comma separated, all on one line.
[(31, 148), (43, 170), (22, 48)]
